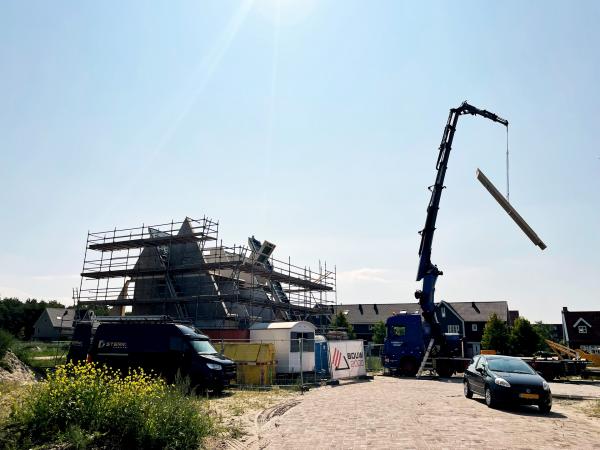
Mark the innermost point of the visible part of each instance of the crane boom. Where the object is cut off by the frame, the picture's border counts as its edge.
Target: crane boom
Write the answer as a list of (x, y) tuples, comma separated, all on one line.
[(428, 272)]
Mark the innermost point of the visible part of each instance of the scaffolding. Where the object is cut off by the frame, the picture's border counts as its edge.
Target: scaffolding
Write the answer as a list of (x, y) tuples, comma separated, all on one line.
[(182, 269)]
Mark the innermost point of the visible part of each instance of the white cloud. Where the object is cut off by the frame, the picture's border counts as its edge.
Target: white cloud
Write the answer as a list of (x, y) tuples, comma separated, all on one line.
[(366, 274)]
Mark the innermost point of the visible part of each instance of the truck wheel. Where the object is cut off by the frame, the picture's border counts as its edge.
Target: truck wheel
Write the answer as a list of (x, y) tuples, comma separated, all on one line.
[(489, 398), (467, 389), (444, 372), (408, 367)]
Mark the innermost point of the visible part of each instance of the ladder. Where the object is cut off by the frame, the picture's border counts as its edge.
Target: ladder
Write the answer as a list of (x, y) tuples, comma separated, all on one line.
[(426, 363)]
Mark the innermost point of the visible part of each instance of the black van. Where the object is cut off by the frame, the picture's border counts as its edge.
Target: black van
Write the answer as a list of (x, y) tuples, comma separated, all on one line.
[(159, 345)]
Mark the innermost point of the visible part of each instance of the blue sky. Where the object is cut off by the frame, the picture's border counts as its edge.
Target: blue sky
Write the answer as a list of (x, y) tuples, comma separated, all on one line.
[(313, 124)]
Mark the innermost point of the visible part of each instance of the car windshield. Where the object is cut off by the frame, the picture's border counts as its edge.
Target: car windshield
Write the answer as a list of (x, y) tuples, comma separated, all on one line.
[(509, 365), (203, 346)]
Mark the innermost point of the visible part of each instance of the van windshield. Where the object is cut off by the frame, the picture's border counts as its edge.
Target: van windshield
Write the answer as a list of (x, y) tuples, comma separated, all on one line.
[(202, 346)]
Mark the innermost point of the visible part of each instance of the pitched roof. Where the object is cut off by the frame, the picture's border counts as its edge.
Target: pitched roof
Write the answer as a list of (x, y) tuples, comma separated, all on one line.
[(591, 319), (56, 317), (369, 313), (480, 311), (374, 312), (278, 325)]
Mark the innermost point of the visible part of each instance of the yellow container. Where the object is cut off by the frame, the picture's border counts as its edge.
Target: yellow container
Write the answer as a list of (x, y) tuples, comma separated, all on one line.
[(255, 362)]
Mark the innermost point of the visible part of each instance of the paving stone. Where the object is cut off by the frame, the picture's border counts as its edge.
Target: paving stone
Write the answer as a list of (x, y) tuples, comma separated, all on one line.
[(392, 413)]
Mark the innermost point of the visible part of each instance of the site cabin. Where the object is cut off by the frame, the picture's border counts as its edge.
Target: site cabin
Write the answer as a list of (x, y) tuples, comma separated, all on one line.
[(285, 336)]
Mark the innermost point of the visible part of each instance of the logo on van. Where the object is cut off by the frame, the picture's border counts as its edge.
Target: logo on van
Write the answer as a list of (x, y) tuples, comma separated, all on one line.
[(112, 345)]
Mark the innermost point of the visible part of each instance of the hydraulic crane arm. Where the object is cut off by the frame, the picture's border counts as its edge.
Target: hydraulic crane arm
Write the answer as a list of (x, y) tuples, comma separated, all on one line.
[(428, 272)]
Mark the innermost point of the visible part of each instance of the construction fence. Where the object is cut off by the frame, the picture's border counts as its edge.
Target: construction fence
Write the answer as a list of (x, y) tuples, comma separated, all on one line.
[(297, 362)]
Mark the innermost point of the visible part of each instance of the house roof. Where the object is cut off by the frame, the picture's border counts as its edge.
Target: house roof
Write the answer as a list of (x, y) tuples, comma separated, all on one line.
[(591, 319), (277, 325), (56, 317), (374, 312), (480, 311), (369, 313)]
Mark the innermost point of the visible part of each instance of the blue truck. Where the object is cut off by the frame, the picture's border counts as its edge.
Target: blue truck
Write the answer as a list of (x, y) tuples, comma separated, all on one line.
[(415, 342), (407, 342)]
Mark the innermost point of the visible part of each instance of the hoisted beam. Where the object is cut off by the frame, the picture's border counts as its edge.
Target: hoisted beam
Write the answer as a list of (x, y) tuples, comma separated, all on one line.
[(510, 210)]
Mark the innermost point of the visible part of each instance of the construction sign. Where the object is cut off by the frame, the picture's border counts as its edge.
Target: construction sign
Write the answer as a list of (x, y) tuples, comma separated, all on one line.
[(346, 359)]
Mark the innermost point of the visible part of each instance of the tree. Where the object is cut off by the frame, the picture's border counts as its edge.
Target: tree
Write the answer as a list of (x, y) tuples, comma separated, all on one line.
[(524, 339), (495, 335), (19, 317), (543, 330), (379, 332), (340, 321)]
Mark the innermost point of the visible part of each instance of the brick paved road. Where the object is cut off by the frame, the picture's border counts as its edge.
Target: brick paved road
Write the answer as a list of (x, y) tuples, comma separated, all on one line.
[(422, 414)]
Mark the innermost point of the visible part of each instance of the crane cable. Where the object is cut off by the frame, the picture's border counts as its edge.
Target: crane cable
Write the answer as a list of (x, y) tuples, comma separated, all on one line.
[(507, 169)]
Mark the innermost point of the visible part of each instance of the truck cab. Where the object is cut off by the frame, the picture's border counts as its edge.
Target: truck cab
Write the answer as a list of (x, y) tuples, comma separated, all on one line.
[(404, 345)]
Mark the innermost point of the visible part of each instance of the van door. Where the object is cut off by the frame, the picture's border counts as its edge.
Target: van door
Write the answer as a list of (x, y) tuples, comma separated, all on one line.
[(179, 358)]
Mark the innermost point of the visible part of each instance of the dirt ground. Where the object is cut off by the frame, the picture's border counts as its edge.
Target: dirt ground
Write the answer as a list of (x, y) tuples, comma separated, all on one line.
[(409, 413)]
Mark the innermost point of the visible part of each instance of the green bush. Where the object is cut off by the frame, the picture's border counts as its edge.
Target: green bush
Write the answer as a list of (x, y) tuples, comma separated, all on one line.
[(87, 404), (6, 341)]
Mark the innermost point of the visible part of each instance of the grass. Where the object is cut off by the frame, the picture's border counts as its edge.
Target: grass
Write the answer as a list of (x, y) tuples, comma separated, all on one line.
[(373, 364), (87, 405), (40, 356)]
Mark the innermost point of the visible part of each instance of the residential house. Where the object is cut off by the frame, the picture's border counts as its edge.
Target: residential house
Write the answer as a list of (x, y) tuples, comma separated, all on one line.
[(448, 318), (363, 316), (582, 330), (54, 324), (465, 318), (475, 315)]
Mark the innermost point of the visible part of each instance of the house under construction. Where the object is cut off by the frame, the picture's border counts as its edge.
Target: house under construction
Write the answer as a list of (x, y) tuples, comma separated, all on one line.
[(183, 270)]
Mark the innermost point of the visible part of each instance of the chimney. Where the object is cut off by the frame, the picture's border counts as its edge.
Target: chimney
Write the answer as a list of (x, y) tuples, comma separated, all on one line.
[(565, 309)]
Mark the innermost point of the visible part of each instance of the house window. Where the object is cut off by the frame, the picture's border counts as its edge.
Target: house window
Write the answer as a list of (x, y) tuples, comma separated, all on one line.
[(453, 329), (582, 329), (474, 327), (443, 310)]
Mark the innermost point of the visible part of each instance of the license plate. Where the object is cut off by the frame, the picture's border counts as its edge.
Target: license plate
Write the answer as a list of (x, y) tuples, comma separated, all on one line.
[(530, 396)]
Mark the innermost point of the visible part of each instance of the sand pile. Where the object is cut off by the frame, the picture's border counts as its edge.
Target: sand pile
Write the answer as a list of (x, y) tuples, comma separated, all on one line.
[(13, 369)]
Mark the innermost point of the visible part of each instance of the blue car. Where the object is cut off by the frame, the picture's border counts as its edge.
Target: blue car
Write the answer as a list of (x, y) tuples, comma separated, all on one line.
[(506, 380)]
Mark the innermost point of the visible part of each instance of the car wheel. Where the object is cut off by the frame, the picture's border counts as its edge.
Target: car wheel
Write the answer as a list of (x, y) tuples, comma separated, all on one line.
[(545, 407), (467, 389), (489, 398)]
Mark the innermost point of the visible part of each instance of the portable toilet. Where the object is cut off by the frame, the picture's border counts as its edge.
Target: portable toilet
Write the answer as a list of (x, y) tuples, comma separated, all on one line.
[(321, 356), (285, 336)]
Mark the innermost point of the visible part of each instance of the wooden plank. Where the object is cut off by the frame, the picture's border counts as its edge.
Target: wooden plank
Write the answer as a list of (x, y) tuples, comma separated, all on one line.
[(514, 215)]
